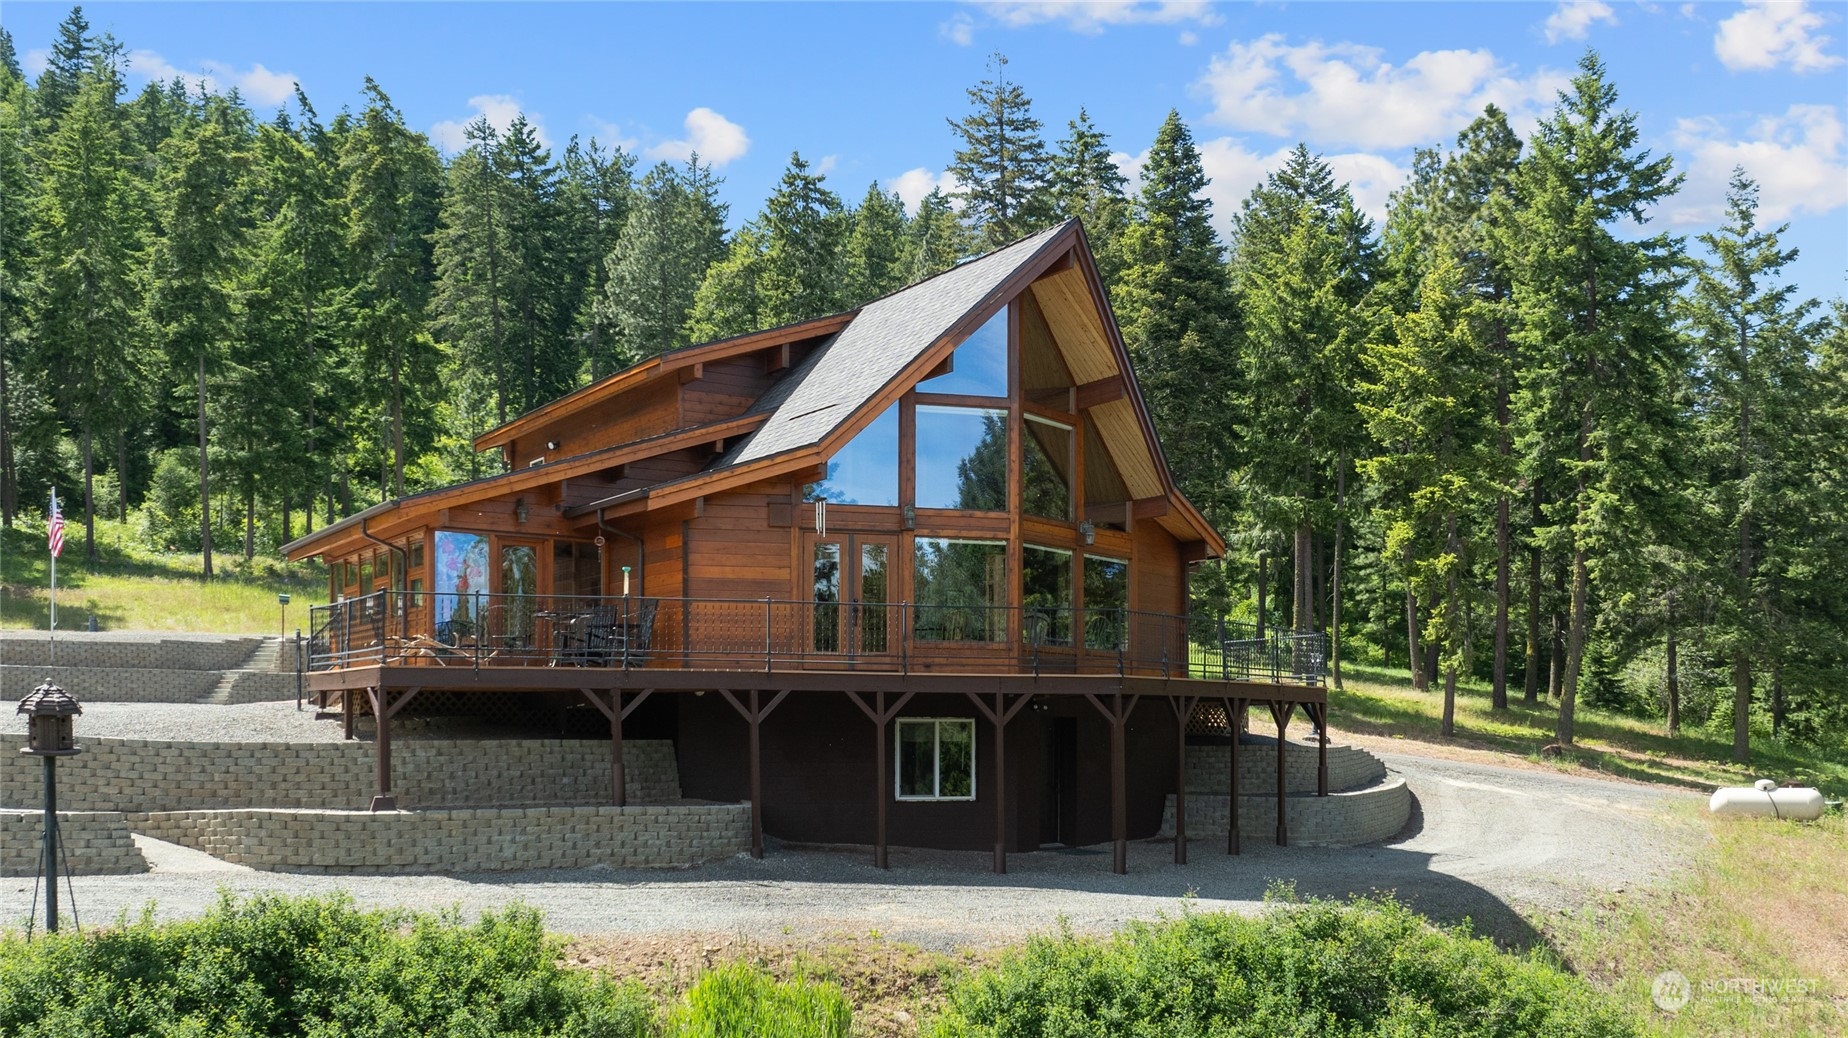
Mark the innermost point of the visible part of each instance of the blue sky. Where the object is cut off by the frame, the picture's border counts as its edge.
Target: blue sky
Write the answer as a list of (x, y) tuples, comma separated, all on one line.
[(863, 89)]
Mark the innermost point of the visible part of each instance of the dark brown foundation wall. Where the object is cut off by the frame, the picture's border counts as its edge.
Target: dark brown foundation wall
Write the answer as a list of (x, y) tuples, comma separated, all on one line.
[(818, 762)]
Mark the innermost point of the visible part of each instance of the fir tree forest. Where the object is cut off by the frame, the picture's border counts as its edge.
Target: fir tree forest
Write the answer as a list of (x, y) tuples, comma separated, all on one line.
[(1513, 433)]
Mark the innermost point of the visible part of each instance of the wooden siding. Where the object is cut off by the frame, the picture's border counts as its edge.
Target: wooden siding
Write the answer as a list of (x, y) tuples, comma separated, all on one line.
[(734, 552), (648, 410)]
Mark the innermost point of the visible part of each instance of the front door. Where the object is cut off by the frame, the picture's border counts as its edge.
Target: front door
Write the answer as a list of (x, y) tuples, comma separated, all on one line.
[(851, 591)]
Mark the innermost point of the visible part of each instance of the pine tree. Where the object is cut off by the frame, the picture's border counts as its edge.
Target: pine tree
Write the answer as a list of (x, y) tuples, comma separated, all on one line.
[(538, 290), (1755, 390), (936, 239), (193, 273), (466, 306), (594, 193), (1002, 165), (1086, 184), (9, 57), (72, 58), (1593, 319), (876, 248), (1174, 304), (804, 271), (16, 261), (675, 230), (392, 186), (728, 299)]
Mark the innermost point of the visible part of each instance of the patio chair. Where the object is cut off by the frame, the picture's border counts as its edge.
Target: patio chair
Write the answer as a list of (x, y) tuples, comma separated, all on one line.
[(637, 636)]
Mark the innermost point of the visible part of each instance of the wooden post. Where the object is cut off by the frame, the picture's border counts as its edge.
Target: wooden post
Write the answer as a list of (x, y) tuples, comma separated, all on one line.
[(881, 716), (754, 716), (1118, 716), (1321, 750), (619, 781), (382, 710), (1281, 713), (346, 712), (1183, 707), (1235, 712), (998, 716)]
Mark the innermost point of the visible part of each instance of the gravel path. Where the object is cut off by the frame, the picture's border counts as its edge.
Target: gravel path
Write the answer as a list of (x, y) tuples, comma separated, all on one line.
[(1486, 843)]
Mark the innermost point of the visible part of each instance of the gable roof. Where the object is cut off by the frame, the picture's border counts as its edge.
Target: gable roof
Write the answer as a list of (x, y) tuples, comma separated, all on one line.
[(887, 336)]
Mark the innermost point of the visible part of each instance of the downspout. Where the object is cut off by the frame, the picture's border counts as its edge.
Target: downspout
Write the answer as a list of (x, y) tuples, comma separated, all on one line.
[(404, 564), (641, 555)]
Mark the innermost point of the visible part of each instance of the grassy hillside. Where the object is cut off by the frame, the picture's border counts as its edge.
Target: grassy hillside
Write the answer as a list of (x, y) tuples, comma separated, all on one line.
[(1383, 703), (130, 587)]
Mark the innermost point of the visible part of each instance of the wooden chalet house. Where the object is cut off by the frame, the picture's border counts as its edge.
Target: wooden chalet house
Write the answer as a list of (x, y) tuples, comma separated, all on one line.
[(935, 536)]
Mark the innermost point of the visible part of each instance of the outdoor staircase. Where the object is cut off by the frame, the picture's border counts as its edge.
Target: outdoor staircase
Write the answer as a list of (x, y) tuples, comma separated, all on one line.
[(264, 658)]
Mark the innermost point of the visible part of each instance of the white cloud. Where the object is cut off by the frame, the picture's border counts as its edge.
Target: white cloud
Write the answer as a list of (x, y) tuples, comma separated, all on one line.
[(608, 133), (1348, 94), (500, 110), (1572, 19), (826, 164), (1188, 37), (913, 184), (1094, 16), (1800, 160), (959, 30), (716, 139), (1765, 35), (257, 84), (1235, 169), (36, 61)]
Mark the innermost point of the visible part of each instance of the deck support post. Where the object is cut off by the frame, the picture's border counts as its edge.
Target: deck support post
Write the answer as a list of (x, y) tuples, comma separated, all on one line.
[(1280, 712), (346, 713), (1118, 716), (1183, 707), (1235, 714), (754, 716), (880, 716), (617, 714), (998, 716), (1321, 749), (382, 710)]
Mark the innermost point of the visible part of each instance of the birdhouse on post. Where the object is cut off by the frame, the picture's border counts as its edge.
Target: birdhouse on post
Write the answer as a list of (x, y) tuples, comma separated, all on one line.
[(51, 716)]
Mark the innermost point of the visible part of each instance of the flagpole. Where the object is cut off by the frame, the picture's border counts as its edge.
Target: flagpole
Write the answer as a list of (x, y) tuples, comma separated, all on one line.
[(52, 522)]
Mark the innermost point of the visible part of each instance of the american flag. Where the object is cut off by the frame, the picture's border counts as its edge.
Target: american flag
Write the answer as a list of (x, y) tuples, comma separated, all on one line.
[(56, 535)]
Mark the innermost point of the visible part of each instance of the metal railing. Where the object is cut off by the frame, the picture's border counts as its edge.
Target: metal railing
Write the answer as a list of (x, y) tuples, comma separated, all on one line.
[(483, 630)]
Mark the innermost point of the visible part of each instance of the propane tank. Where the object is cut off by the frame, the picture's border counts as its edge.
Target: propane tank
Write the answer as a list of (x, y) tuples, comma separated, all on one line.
[(1766, 799)]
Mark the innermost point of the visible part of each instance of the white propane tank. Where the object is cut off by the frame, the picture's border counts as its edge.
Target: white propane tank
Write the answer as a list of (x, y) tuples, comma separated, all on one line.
[(1767, 800)]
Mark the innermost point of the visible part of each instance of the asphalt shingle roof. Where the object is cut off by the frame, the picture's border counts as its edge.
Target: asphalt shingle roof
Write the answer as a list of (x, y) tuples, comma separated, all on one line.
[(850, 369)]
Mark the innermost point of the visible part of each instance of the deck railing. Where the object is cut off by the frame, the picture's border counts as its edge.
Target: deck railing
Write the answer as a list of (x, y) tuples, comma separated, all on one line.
[(483, 630)]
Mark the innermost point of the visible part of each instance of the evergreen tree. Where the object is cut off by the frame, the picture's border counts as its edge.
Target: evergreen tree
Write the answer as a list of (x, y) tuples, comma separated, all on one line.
[(876, 248), (72, 58), (1086, 184), (728, 299), (936, 239), (1174, 304), (804, 272), (1755, 389), (675, 230), (594, 193), (16, 261), (197, 261), (1002, 165), (9, 58), (466, 305), (392, 183), (537, 287), (1593, 319)]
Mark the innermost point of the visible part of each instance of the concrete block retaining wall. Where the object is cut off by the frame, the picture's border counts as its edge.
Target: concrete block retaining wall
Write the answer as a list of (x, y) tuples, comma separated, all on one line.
[(96, 842), (1337, 820), (141, 776), (468, 840), (124, 650), (1348, 768), (261, 686), (113, 684)]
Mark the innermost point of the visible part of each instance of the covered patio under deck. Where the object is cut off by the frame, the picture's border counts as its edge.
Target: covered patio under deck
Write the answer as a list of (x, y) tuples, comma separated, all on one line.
[(383, 689)]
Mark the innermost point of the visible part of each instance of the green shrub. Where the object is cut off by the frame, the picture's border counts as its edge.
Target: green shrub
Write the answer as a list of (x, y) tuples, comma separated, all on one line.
[(273, 966), (1370, 967), (740, 1001)]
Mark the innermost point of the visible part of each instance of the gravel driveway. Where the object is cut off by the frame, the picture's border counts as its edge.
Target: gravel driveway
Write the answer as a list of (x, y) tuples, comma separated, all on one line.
[(1484, 842)]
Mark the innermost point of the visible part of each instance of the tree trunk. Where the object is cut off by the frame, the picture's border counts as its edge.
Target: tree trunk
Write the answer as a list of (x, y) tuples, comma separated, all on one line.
[(288, 520), (1263, 590), (9, 490), (397, 427), (1534, 569), (122, 474), (1450, 701), (250, 521), (1413, 654), (1742, 706), (1301, 610), (1674, 672), (89, 491), (205, 480), (1777, 699), (1334, 627), (1498, 690), (1556, 672)]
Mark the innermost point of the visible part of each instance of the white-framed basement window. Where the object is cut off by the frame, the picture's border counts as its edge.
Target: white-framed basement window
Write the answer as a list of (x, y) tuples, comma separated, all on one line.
[(936, 758)]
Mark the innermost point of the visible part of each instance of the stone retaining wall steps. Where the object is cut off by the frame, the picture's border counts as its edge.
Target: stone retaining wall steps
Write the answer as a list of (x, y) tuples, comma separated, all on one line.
[(1348, 768), (96, 842), (126, 650)]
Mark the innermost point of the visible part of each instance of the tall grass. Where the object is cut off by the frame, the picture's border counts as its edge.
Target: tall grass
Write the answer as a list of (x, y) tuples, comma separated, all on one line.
[(736, 1000)]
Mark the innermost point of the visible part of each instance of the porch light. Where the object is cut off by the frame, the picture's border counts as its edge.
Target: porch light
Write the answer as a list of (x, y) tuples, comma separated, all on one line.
[(911, 517), (1087, 531), (519, 510)]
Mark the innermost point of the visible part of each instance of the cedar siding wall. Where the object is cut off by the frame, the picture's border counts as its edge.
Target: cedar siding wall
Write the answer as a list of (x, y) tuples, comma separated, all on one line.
[(734, 552), (647, 410), (725, 389)]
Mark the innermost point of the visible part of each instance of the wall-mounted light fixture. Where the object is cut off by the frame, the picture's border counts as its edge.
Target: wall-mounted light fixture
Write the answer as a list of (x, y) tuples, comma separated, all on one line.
[(911, 517), (551, 445), (1087, 531), (519, 510)]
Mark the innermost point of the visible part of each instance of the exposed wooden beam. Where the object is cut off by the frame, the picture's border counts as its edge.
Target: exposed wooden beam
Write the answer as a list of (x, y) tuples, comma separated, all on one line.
[(1149, 507), (1102, 391)]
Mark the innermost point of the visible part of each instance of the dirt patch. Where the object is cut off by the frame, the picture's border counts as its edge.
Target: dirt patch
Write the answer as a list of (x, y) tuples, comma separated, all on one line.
[(890, 984)]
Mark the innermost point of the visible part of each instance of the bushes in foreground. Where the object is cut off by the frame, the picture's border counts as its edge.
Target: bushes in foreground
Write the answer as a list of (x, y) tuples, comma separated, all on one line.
[(314, 967), (1368, 967)]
